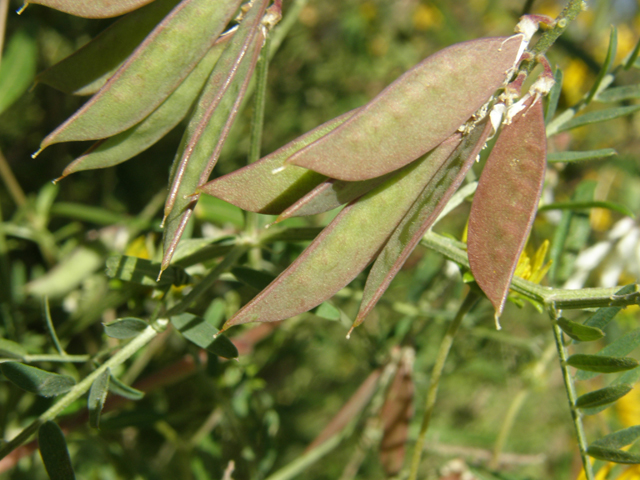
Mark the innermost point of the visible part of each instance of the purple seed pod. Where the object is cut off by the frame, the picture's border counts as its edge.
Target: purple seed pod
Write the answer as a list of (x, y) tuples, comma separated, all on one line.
[(505, 203), (415, 113)]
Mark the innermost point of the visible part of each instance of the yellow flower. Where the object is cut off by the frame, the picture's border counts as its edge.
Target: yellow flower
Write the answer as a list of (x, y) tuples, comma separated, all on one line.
[(534, 272)]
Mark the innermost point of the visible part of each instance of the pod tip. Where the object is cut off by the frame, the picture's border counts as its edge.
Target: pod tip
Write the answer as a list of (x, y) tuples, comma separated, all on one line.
[(22, 8), (35, 154)]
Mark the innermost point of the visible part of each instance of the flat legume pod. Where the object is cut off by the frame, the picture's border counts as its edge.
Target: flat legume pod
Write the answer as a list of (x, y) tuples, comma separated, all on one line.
[(151, 73), (344, 248), (421, 217), (125, 145), (266, 187), (415, 113), (209, 125), (505, 203), (87, 69), (92, 8)]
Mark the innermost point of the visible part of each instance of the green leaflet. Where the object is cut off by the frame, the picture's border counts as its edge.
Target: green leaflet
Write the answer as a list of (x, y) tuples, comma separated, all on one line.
[(209, 125), (579, 332), (151, 73), (34, 380), (619, 439), (92, 8), (97, 397), (266, 187), (118, 388), (343, 249), (597, 117), (619, 94), (603, 396), (161, 121), (557, 157), (424, 212), (144, 272), (18, 67), (612, 455), (87, 69), (416, 113), (205, 335), (620, 347), (124, 328), (54, 453), (504, 205)]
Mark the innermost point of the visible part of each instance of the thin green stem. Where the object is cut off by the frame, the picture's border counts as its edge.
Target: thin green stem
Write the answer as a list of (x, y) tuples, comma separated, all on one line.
[(10, 181), (571, 394), (257, 125), (436, 373), (81, 388), (49, 358), (507, 426)]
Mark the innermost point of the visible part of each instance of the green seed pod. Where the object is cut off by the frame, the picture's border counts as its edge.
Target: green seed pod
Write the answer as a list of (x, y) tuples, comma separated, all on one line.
[(151, 73), (92, 8), (505, 203), (416, 112), (87, 69), (345, 247), (265, 186), (421, 217)]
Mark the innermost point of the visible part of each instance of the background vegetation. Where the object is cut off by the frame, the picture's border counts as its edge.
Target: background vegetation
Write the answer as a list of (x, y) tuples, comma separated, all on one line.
[(200, 412)]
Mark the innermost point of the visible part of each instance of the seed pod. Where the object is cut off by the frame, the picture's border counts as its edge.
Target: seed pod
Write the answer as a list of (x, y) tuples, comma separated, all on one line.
[(415, 113), (265, 186), (330, 194), (92, 8), (151, 73), (505, 203), (421, 217), (125, 145), (345, 247), (209, 125), (87, 69)]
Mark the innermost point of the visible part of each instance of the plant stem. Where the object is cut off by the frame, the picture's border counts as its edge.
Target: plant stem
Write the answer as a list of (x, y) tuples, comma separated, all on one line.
[(570, 12), (4, 9), (257, 124), (507, 425), (571, 394), (436, 373), (13, 187), (81, 388)]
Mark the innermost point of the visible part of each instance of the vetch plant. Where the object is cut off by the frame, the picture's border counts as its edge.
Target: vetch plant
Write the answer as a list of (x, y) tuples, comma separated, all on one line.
[(393, 167)]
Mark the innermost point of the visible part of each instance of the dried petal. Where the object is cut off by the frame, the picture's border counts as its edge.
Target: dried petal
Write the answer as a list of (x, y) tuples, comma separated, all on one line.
[(265, 186)]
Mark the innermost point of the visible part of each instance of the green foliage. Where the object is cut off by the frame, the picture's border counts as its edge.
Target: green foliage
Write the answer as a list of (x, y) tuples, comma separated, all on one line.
[(81, 295)]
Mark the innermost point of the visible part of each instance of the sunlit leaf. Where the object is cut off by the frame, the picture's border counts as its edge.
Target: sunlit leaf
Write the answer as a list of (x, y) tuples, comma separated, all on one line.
[(597, 117), (619, 439), (620, 347), (54, 453), (612, 455), (35, 380), (124, 328), (604, 396), (505, 203), (601, 363), (125, 145), (407, 119), (198, 331), (97, 397)]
